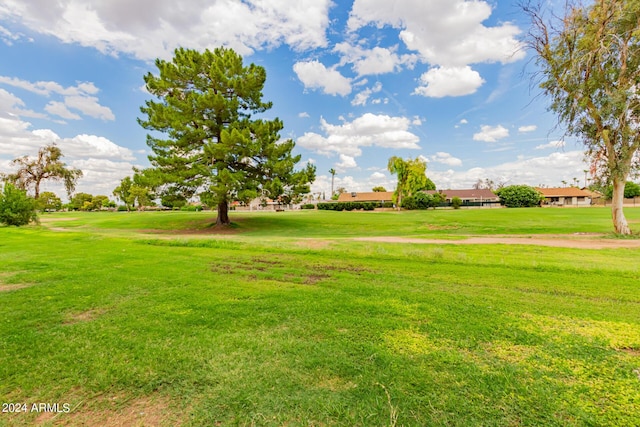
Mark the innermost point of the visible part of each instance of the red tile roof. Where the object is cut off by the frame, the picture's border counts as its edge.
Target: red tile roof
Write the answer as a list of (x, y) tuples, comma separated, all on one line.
[(563, 192), (384, 196)]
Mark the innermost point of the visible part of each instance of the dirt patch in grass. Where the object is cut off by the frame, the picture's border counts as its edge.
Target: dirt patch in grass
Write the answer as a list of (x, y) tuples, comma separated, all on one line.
[(313, 243), (116, 411), (44, 219), (84, 316), (14, 287), (559, 241)]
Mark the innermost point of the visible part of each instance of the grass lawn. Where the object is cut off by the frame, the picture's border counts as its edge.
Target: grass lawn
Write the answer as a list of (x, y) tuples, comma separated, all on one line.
[(152, 319)]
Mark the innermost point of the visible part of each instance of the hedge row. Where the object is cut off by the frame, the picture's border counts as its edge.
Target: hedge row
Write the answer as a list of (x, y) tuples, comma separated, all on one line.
[(351, 206)]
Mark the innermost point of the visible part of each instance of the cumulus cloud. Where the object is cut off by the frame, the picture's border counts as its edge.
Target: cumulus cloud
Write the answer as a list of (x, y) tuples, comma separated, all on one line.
[(314, 75), (304, 115), (557, 166), (346, 162), (552, 144), (378, 60), (526, 129), (366, 131), (11, 106), (491, 133), (148, 29), (102, 161), (444, 32), (79, 97), (362, 97), (439, 82), (445, 159)]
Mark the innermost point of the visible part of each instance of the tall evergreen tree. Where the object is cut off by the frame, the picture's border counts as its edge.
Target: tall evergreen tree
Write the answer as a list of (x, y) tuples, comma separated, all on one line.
[(213, 146)]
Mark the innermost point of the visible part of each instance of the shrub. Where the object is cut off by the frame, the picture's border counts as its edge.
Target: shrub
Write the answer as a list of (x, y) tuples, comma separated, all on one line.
[(519, 196), (387, 205), (409, 203), (16, 208), (308, 206), (456, 202)]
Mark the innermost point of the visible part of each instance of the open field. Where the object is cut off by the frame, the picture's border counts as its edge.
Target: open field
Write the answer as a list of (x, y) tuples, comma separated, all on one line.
[(288, 319)]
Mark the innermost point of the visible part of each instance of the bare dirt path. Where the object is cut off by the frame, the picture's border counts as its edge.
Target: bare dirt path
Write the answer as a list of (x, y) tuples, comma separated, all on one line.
[(559, 241)]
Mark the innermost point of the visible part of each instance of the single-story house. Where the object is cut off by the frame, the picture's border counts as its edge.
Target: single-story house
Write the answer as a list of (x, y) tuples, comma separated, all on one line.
[(373, 196), (565, 196), (480, 195)]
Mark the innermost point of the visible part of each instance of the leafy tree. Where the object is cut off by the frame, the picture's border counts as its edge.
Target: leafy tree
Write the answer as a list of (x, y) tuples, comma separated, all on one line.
[(48, 201), (81, 201), (338, 192), (631, 190), (589, 62), (99, 201), (213, 146), (456, 202), (46, 166), (519, 196), (378, 189), (411, 177), (141, 195), (16, 208), (123, 191)]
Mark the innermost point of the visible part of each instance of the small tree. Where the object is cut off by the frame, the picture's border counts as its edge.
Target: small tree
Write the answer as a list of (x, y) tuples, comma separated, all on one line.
[(123, 191), (16, 208), (456, 202), (519, 196), (379, 189), (411, 177), (332, 171), (81, 201), (48, 201), (46, 166)]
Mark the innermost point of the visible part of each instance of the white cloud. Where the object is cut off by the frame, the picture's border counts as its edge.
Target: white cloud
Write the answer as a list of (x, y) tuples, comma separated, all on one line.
[(378, 175), (491, 133), (445, 159), (346, 162), (549, 170), (525, 129), (463, 121), (60, 109), (11, 105), (149, 29), (304, 115), (79, 97), (362, 97), (552, 144), (439, 82), (366, 131), (444, 32), (102, 161), (378, 60), (314, 75)]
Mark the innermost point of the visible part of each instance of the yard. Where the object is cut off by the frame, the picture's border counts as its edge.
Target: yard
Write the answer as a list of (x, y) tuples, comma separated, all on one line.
[(293, 319)]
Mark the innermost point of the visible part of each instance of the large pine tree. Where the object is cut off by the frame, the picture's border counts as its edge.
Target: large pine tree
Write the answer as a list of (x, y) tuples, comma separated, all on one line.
[(212, 146)]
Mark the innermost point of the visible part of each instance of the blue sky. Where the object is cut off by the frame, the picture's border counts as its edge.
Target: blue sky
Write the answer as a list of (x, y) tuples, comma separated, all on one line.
[(355, 83)]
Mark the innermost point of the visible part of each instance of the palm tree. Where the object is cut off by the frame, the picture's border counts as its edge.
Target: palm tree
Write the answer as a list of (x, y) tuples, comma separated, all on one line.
[(332, 171)]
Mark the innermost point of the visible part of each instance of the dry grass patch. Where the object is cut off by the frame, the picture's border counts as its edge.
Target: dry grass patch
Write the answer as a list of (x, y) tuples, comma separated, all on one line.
[(84, 316), (117, 411)]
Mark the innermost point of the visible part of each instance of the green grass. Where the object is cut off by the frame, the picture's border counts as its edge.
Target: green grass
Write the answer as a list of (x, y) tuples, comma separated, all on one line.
[(256, 328)]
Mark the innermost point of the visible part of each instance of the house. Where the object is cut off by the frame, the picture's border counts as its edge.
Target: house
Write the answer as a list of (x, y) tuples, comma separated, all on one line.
[(477, 197), (565, 196), (374, 196)]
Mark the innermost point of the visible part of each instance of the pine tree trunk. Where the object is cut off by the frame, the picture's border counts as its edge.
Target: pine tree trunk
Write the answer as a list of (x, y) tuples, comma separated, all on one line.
[(617, 202), (223, 214)]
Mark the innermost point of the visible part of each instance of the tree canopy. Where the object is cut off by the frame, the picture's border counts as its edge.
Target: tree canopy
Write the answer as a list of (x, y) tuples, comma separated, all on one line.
[(16, 208), (212, 145), (589, 63), (519, 196), (411, 175), (47, 165)]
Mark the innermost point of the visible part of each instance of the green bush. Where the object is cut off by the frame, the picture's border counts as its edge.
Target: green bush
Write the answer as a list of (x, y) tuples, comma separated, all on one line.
[(456, 202), (16, 208), (308, 206), (387, 204), (519, 196)]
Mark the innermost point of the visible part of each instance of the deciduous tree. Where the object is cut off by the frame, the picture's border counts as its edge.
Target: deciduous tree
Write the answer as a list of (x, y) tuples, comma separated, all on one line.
[(411, 175), (16, 208), (589, 62), (47, 165), (213, 146)]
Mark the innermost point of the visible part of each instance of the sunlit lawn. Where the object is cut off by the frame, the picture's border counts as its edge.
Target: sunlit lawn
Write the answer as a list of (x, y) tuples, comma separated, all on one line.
[(151, 319)]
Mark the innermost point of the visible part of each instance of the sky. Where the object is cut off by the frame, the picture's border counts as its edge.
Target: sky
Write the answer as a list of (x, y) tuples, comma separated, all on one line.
[(354, 81)]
